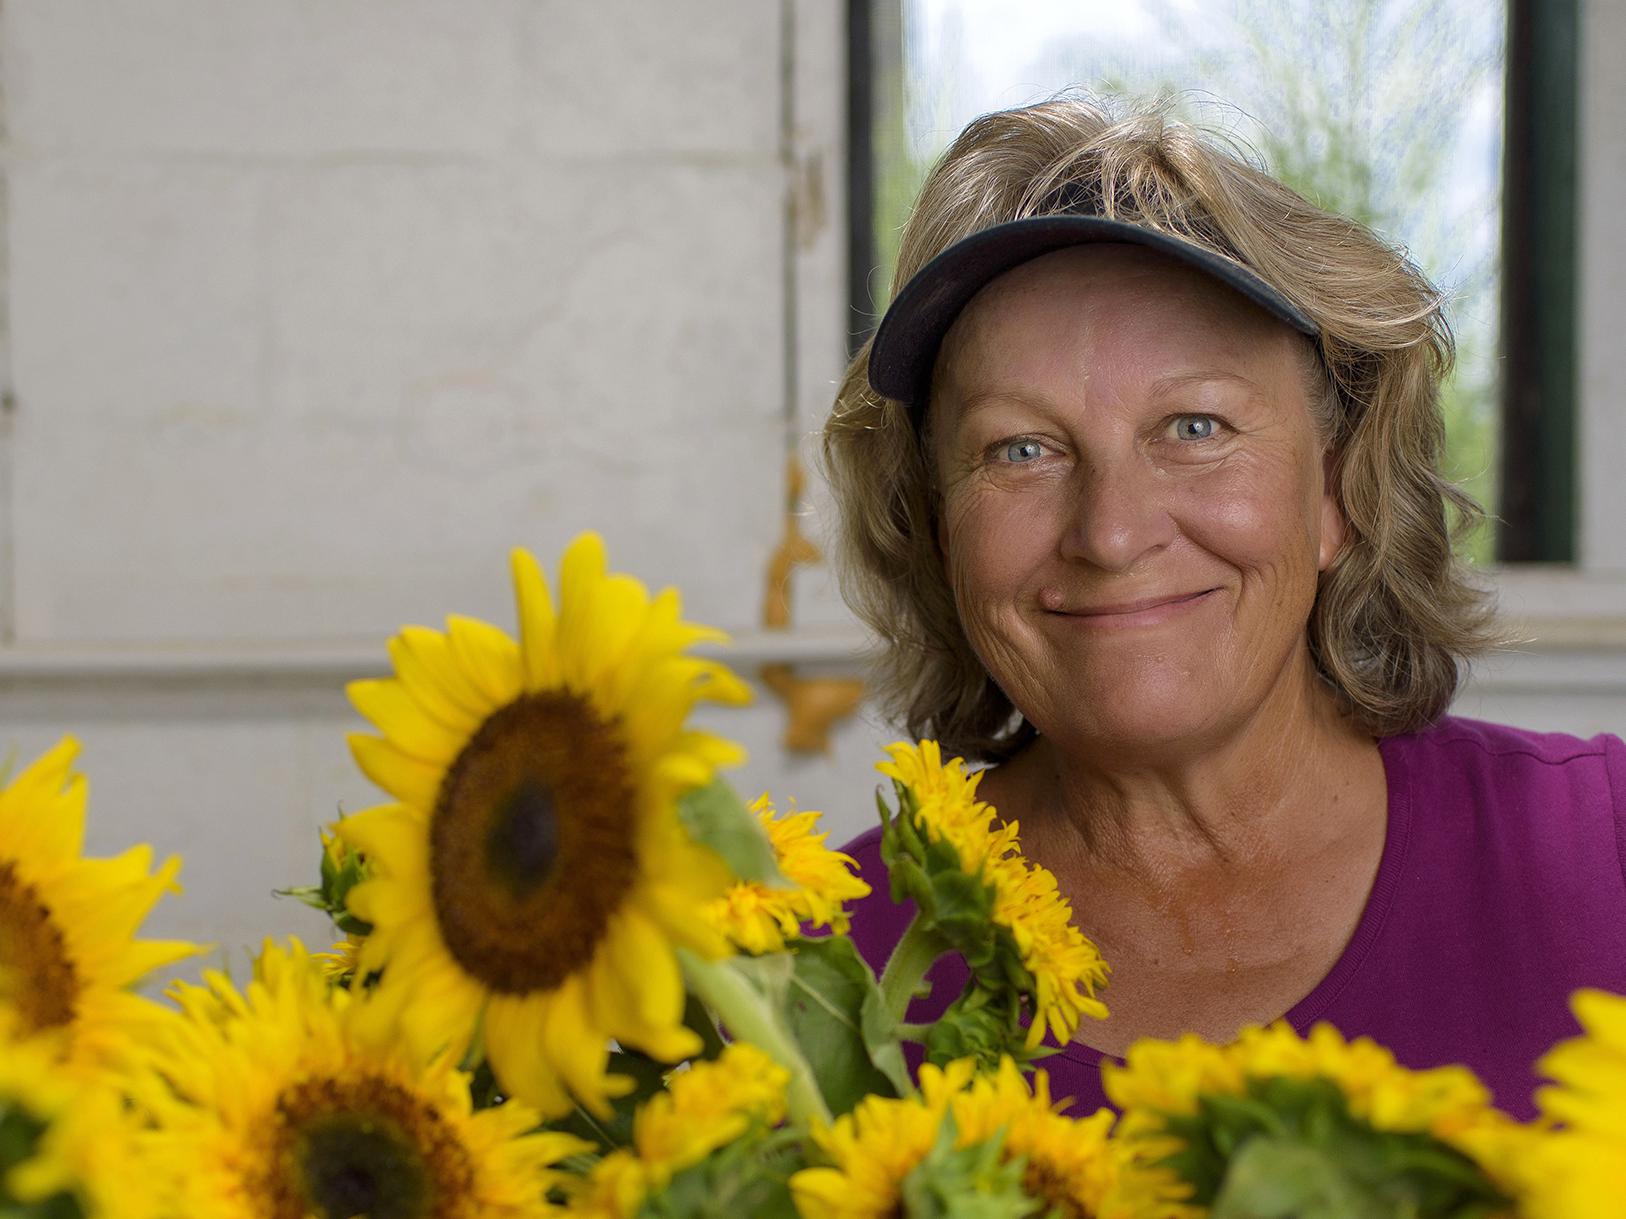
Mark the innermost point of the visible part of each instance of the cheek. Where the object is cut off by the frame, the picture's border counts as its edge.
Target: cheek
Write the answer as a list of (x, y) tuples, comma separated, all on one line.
[(990, 545), (1264, 521), (991, 550)]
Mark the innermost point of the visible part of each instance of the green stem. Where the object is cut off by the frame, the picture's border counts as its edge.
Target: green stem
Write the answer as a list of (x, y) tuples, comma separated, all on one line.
[(906, 968), (747, 1016)]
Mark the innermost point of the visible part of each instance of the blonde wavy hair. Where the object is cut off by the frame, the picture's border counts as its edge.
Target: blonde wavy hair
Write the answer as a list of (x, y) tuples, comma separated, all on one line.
[(1395, 615)]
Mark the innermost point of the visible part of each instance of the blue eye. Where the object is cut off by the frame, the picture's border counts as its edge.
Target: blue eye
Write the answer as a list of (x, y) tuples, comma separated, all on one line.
[(1194, 427), (1023, 450)]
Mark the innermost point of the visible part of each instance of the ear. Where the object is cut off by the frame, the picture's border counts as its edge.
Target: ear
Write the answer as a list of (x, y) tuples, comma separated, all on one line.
[(1334, 527)]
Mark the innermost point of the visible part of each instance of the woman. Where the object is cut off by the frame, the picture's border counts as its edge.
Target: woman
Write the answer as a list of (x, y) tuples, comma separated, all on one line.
[(1139, 486)]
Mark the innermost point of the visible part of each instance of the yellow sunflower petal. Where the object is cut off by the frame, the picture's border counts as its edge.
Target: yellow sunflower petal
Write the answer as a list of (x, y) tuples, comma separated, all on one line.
[(537, 621), (515, 1046), (423, 659), (410, 780), (643, 949), (582, 567), (405, 722), (595, 645), (392, 835), (1066, 966), (42, 810), (489, 658)]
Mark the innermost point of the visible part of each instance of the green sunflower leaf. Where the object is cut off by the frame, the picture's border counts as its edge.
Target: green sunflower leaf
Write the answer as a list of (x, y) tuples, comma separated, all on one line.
[(838, 1015), (716, 817), (827, 1000)]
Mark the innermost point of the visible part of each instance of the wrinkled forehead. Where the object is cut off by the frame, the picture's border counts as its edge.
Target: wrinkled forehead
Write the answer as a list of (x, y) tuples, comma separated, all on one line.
[(1106, 313)]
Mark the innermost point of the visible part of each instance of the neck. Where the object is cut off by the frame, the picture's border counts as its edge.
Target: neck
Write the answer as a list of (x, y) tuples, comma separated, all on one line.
[(1236, 796)]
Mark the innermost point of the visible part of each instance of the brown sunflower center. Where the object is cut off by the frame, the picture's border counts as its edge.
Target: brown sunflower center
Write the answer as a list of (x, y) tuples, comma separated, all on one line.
[(37, 978), (364, 1148), (1040, 1180), (531, 846), (522, 844)]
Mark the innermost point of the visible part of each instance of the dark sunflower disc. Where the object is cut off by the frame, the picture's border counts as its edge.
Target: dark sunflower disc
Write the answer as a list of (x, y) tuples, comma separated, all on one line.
[(32, 950), (531, 843), (364, 1147)]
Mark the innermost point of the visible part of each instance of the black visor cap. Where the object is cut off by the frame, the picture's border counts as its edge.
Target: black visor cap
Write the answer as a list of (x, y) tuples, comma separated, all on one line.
[(909, 336)]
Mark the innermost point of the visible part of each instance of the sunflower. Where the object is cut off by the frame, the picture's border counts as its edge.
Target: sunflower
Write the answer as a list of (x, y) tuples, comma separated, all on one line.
[(875, 1147), (68, 955), (275, 1102), (67, 1146), (1070, 1164), (1065, 965), (533, 879), (339, 962), (1579, 1171), (704, 1108), (759, 918), (1162, 1086)]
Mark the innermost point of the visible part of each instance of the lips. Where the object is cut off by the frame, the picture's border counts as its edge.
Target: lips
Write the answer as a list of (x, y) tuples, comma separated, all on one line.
[(1117, 609)]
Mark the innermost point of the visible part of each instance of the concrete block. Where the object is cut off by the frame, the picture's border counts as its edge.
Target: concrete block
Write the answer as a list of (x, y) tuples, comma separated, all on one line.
[(693, 77), (454, 364), (267, 535), (297, 77), (134, 294)]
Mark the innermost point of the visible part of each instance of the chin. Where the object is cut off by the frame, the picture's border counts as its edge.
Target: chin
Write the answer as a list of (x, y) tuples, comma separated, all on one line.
[(1143, 711), (1139, 730)]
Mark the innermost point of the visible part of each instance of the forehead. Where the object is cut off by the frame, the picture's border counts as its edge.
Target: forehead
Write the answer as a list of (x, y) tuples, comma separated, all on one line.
[(1098, 310)]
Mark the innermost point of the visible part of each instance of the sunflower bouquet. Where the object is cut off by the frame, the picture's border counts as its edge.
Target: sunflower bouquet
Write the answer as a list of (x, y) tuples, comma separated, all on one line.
[(580, 976)]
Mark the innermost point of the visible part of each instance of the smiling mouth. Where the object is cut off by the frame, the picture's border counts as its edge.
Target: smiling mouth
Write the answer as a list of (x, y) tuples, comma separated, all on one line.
[(1146, 608)]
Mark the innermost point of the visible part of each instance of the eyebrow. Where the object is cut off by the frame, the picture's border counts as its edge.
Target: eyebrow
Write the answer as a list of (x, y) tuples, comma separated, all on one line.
[(1163, 385), (1181, 380), (990, 397)]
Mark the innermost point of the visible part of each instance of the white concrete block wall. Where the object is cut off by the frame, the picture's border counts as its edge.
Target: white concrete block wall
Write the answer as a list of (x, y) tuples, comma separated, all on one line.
[(294, 80), (315, 310), (438, 363)]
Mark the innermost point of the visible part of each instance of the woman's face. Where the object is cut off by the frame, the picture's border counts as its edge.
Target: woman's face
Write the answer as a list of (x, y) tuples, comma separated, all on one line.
[(1135, 507)]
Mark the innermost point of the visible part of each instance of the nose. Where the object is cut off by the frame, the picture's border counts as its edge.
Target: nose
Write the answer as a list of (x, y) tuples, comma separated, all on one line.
[(1118, 513)]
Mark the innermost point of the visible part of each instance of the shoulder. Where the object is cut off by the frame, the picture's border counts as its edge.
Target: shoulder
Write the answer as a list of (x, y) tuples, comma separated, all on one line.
[(1479, 738), (1530, 794), (1502, 764)]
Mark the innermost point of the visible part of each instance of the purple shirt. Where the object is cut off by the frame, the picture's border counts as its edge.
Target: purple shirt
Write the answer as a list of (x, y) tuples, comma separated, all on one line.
[(1502, 889)]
